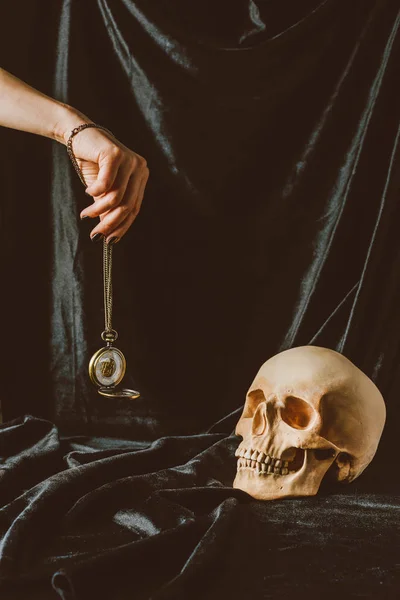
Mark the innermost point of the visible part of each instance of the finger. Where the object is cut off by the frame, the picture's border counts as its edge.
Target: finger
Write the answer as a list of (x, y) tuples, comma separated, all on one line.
[(140, 196), (111, 199), (118, 214), (133, 188), (108, 169), (121, 230), (111, 220)]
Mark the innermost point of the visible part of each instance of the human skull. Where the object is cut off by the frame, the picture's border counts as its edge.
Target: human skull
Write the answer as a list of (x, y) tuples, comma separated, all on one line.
[(309, 410)]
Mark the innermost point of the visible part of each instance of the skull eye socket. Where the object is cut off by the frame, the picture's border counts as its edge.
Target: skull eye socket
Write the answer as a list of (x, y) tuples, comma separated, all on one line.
[(297, 413)]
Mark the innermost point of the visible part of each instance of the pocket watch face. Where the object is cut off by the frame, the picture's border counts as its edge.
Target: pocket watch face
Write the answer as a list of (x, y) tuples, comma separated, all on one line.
[(107, 367)]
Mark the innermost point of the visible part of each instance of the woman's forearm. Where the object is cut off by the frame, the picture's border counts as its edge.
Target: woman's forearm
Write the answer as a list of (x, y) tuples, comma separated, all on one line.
[(24, 108)]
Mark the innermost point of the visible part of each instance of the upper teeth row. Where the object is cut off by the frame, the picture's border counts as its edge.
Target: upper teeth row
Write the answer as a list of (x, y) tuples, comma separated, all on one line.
[(261, 457)]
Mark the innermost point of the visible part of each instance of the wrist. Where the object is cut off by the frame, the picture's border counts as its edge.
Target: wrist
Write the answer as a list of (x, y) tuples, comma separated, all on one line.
[(67, 119)]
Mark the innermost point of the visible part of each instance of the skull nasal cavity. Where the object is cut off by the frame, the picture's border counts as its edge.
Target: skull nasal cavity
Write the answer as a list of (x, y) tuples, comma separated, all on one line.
[(297, 413), (259, 423)]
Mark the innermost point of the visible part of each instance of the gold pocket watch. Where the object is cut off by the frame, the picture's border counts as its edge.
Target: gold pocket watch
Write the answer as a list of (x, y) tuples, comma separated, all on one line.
[(106, 370), (108, 365)]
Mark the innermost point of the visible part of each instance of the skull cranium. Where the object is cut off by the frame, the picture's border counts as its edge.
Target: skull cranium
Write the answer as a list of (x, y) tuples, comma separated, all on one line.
[(309, 410)]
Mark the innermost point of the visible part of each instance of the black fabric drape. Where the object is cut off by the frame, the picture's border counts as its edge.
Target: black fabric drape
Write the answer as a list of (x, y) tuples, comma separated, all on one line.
[(115, 519), (270, 220)]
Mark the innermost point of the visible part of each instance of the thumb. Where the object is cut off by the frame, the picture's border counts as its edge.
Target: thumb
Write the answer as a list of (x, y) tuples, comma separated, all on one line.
[(108, 170)]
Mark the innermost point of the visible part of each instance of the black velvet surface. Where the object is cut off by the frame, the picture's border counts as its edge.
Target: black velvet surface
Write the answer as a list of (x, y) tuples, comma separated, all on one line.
[(107, 518), (270, 220)]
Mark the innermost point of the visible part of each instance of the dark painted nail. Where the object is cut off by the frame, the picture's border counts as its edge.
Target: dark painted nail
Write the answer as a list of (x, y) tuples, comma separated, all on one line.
[(96, 237), (84, 217), (113, 240)]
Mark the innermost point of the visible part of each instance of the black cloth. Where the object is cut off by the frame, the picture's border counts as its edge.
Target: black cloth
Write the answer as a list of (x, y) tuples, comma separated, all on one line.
[(271, 214), (112, 519), (270, 220)]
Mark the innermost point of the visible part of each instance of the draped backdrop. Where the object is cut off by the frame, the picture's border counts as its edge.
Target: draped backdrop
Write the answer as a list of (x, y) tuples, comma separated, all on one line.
[(271, 219)]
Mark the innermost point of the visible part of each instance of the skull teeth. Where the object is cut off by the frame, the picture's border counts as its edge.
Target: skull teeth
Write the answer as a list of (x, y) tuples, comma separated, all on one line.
[(261, 456), (261, 463)]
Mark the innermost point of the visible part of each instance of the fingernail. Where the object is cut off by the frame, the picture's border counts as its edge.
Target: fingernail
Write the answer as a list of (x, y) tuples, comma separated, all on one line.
[(113, 240), (84, 217), (96, 237)]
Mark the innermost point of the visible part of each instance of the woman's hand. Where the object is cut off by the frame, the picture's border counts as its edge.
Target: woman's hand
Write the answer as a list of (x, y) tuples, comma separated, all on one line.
[(116, 178)]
